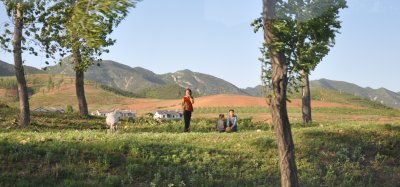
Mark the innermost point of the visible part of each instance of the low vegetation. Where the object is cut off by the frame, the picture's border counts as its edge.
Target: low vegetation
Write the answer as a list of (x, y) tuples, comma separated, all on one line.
[(68, 150), (8, 83), (168, 91), (344, 147), (119, 91)]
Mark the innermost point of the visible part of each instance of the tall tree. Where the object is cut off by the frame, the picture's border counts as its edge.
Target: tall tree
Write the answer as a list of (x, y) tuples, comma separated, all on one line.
[(307, 35), (271, 26), (297, 35), (81, 28), (316, 25), (24, 15)]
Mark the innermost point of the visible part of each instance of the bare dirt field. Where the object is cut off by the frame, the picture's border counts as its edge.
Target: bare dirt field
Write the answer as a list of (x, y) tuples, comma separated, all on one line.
[(225, 101)]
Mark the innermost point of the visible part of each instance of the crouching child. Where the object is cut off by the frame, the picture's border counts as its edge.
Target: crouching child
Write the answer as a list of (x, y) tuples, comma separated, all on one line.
[(221, 123)]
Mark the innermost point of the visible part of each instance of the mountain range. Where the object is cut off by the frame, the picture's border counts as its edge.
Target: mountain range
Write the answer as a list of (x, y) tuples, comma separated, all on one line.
[(149, 84), (130, 79), (113, 74), (381, 95)]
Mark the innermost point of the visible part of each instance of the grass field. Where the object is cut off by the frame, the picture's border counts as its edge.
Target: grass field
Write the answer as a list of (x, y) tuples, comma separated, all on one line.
[(67, 150), (352, 142)]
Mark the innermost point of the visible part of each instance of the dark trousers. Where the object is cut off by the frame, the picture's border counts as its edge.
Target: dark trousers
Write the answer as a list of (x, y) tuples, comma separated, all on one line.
[(187, 115)]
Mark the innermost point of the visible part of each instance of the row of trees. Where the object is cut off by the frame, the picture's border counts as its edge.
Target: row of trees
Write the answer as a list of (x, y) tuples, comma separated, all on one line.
[(79, 28), (297, 34)]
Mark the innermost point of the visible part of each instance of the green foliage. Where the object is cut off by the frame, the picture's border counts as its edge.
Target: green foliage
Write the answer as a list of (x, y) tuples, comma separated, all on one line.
[(82, 26), (31, 10), (69, 109), (304, 31)]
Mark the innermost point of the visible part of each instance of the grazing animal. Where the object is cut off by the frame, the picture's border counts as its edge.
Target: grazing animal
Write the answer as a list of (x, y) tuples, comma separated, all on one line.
[(112, 120)]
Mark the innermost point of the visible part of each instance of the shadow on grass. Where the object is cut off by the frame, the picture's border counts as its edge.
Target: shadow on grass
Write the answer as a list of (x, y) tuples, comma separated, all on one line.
[(349, 157)]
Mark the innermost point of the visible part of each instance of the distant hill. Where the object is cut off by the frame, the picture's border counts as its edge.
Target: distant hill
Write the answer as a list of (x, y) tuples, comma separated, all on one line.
[(202, 83), (114, 74), (167, 91), (140, 80), (381, 95), (146, 83), (7, 69), (62, 93), (254, 91)]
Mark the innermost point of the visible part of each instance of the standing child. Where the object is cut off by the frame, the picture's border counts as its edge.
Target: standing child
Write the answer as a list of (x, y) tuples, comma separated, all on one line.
[(187, 106)]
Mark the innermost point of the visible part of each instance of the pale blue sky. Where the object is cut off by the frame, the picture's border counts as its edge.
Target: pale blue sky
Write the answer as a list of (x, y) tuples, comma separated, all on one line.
[(215, 37)]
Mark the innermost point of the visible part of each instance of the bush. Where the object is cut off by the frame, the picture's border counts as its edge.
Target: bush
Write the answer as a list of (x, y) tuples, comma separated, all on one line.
[(69, 109)]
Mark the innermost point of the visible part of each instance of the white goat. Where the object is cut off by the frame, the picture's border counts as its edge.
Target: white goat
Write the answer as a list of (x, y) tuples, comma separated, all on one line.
[(112, 120)]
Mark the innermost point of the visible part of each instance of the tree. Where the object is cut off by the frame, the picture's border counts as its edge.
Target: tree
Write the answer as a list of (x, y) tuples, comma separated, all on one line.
[(309, 31), (81, 28), (316, 25), (23, 14), (273, 41), (297, 35)]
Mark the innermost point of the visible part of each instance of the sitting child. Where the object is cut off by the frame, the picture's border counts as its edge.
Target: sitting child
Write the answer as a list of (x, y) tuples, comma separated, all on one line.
[(232, 121), (221, 123)]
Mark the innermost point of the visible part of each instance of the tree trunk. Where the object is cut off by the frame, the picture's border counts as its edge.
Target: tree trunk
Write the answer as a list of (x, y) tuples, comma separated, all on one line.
[(24, 118), (306, 98), (280, 117), (79, 83)]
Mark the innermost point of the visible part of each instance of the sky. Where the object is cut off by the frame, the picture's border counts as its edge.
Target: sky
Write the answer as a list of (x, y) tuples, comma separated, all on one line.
[(215, 37)]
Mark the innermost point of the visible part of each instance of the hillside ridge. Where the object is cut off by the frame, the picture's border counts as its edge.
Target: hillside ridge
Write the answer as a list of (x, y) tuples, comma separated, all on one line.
[(139, 80)]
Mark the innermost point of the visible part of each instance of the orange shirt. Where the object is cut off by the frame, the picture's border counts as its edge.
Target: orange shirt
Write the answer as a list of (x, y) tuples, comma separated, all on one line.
[(187, 103)]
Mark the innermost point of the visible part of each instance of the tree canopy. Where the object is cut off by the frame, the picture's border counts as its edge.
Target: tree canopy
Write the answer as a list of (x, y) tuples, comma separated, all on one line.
[(306, 31), (31, 10), (84, 25)]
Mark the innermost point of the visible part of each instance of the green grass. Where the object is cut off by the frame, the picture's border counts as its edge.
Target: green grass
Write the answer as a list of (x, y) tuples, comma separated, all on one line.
[(68, 150), (328, 111), (362, 111)]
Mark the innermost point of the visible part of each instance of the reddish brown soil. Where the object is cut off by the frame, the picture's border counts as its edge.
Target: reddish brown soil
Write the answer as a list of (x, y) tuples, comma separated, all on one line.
[(10, 92), (227, 100), (219, 101)]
